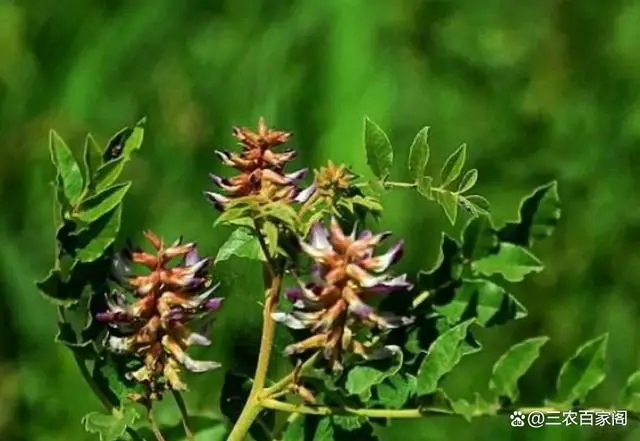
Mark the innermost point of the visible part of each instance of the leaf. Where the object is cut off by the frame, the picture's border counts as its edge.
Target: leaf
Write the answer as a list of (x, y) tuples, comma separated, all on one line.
[(295, 429), (419, 154), (362, 378), (447, 268), (449, 203), (324, 430), (512, 365), (443, 355), (453, 166), (68, 337), (69, 172), (96, 206), (474, 204), (109, 172), (282, 212), (92, 242), (425, 187), (583, 372), (271, 235), (479, 238), (489, 304), (241, 243), (60, 290), (539, 214), (110, 427), (125, 142), (479, 407), (395, 391), (378, 148), (630, 398), (348, 423), (468, 180), (108, 375), (92, 158), (511, 261)]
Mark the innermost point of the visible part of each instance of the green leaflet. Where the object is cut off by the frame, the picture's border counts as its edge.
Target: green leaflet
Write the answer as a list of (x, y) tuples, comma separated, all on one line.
[(68, 171), (512, 365), (453, 166), (583, 372), (479, 238), (396, 390), (91, 242), (489, 304), (241, 243), (110, 427), (96, 206), (92, 158), (378, 149), (630, 398), (449, 203), (443, 355), (362, 378), (512, 262), (539, 214), (419, 154)]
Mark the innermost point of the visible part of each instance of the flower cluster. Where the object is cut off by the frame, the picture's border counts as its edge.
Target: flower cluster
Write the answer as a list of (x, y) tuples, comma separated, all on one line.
[(261, 169), (154, 325), (345, 273)]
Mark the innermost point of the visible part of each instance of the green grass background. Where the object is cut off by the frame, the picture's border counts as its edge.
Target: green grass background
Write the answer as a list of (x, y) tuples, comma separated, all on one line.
[(538, 89)]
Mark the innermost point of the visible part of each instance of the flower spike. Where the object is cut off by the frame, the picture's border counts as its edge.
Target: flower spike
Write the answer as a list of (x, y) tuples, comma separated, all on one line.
[(154, 327), (343, 277), (261, 169)]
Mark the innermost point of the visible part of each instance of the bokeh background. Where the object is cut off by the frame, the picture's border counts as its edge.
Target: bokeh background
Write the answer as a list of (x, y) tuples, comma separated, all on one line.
[(539, 90)]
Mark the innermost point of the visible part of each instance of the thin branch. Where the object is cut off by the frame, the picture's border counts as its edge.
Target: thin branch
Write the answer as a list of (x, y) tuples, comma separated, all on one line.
[(184, 414), (286, 380), (416, 413), (95, 388), (154, 425), (391, 184)]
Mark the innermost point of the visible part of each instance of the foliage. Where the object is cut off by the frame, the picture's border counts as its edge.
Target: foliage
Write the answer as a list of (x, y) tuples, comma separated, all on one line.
[(365, 345)]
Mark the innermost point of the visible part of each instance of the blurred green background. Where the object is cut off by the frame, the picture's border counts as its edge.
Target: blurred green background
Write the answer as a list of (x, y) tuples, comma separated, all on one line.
[(539, 90)]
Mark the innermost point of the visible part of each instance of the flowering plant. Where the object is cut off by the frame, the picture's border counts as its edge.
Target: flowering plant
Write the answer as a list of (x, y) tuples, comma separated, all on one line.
[(365, 343)]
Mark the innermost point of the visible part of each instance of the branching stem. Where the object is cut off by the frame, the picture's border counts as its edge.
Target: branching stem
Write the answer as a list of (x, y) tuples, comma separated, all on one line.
[(253, 406)]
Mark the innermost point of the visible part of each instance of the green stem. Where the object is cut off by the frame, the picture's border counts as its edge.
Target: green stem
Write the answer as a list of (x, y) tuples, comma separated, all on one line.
[(391, 184), (412, 413), (288, 379), (253, 406), (154, 425), (184, 414), (95, 388)]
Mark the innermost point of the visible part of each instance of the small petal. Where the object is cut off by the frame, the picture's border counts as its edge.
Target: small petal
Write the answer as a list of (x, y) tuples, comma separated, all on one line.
[(365, 279), (305, 194), (297, 175), (191, 257), (288, 320), (213, 304), (197, 339), (216, 199), (319, 237), (381, 263)]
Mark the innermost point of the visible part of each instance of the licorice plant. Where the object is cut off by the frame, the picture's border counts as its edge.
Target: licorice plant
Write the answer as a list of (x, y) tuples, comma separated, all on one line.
[(366, 342)]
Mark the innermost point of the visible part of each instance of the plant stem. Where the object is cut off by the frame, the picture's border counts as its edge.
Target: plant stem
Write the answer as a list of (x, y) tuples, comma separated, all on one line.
[(285, 381), (411, 413), (184, 415), (154, 425), (253, 406), (95, 388), (390, 184)]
